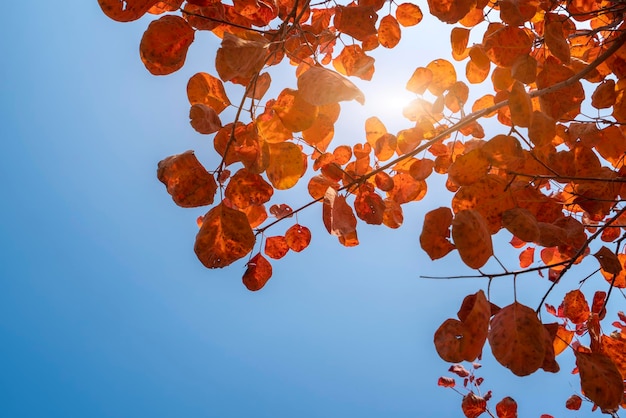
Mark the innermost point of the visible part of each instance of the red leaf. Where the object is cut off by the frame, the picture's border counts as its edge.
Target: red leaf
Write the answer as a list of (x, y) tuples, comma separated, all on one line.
[(298, 237), (258, 273), (447, 382)]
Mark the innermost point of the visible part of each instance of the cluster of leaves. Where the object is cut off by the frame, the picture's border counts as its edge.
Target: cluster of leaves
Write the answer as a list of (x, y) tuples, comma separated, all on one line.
[(521, 343), (554, 179)]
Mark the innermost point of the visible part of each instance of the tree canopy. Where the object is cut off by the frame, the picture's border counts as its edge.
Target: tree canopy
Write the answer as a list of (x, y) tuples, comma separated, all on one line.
[(548, 170)]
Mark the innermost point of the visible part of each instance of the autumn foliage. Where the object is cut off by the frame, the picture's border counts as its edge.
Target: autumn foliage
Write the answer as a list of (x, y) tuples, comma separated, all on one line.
[(548, 169)]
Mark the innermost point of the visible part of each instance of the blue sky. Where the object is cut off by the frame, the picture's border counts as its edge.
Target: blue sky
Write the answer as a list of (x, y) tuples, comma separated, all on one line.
[(104, 309)]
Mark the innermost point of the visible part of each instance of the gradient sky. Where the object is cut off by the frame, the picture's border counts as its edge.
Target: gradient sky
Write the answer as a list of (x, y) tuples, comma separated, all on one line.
[(106, 312)]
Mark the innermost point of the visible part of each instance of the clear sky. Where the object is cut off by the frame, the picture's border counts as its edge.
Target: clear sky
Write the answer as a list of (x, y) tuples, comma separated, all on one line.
[(106, 312)]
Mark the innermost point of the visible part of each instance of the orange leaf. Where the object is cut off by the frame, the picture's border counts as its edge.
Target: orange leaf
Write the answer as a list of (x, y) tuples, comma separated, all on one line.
[(444, 76), (294, 110), (516, 339), (369, 206), (542, 129), (463, 340), (409, 14), (504, 44), (521, 223), (435, 236), (352, 61), (468, 168), (459, 38), (239, 58), (248, 189), (562, 339), (339, 219), (286, 166), (393, 216), (164, 44), (478, 66), (604, 95), (187, 181), (520, 105), (204, 119), (472, 238), (450, 11), (419, 81), (600, 380), (506, 408), (527, 257), (276, 247), (126, 11), (565, 101), (298, 237), (225, 237), (259, 86), (258, 273), (406, 188), (524, 69), (389, 32), (356, 21), (256, 215), (556, 42), (457, 96), (321, 86), (205, 89), (616, 350), (575, 307), (473, 405), (446, 382)]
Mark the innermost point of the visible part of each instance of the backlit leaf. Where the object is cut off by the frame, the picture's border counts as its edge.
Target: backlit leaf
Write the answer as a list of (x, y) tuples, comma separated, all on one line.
[(248, 189), (409, 14), (575, 307), (239, 58), (573, 403), (339, 218), (463, 340), (450, 11), (225, 237), (294, 110), (164, 44), (599, 379), (516, 339), (472, 238), (321, 86), (506, 408), (298, 237), (286, 165), (473, 405), (203, 88), (356, 21), (204, 119), (505, 44), (126, 10), (618, 281), (521, 223), (420, 80), (435, 236), (276, 247), (443, 76), (352, 61), (556, 42), (369, 206), (389, 32), (187, 181), (258, 273)]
